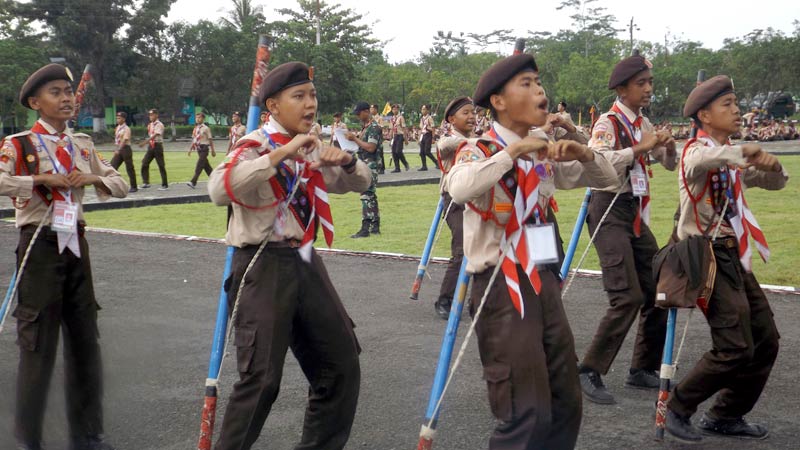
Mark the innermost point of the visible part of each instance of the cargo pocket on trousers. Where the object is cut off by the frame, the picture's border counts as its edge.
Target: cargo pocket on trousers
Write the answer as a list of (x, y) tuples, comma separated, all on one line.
[(27, 327), (614, 276), (498, 382), (726, 333), (245, 342)]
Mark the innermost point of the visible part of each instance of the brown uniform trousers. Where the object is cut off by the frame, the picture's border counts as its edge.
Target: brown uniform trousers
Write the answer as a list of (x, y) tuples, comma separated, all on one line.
[(288, 303), (155, 152), (455, 220), (627, 263), (529, 365), (744, 343), (56, 293), (125, 155), (202, 162)]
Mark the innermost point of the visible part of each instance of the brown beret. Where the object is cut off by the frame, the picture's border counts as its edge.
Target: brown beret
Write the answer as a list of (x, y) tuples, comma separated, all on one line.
[(626, 69), (707, 92), (286, 75), (455, 105), (45, 74), (493, 80)]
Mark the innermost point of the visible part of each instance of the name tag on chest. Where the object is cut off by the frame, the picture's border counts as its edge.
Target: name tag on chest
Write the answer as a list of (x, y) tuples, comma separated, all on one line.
[(65, 217), (639, 181), (541, 241)]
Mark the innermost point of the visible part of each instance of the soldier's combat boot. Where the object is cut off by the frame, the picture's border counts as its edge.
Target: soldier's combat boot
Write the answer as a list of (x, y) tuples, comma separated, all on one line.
[(363, 232)]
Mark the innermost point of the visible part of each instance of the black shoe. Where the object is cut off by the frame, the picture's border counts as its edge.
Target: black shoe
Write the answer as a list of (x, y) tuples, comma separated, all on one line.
[(406, 168), (442, 309), (422, 169), (90, 443), (145, 186), (643, 379), (594, 389), (362, 233), (396, 171), (132, 190), (381, 172), (738, 428), (378, 232), (681, 428)]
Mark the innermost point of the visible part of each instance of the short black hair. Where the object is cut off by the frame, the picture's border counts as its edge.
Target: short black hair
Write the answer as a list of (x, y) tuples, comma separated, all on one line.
[(122, 114), (563, 103), (338, 114)]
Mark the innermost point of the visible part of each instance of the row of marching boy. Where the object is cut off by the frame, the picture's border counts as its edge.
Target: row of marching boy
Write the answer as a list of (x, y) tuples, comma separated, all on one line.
[(276, 181)]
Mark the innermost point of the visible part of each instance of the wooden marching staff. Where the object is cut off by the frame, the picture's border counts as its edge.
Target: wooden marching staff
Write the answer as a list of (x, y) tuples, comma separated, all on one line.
[(220, 329), (80, 92)]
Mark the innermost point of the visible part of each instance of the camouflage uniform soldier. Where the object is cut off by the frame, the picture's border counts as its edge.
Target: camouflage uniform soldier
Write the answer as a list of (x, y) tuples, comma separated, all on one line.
[(369, 141)]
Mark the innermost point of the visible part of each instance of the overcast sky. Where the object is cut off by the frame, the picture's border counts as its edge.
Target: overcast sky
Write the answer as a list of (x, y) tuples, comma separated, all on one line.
[(411, 30)]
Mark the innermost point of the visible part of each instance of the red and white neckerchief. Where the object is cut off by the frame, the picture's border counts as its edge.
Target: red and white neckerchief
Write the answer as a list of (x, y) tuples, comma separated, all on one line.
[(151, 129), (234, 135), (315, 190), (423, 124), (63, 163), (743, 222), (635, 133), (525, 203), (119, 133), (196, 133)]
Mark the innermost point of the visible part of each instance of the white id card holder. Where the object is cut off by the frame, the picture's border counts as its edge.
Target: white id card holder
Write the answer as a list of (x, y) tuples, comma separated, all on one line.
[(65, 217), (541, 240), (638, 181)]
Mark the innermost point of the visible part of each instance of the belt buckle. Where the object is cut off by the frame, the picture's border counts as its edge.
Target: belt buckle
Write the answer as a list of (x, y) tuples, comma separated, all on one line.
[(293, 243)]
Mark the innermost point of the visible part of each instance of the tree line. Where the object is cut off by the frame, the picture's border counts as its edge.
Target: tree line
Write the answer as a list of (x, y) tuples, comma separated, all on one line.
[(143, 62)]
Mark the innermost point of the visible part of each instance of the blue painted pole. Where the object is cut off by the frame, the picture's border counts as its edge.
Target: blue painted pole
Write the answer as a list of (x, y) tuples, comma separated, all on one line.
[(667, 372), (445, 355), (220, 329), (576, 234), (426, 252), (7, 300)]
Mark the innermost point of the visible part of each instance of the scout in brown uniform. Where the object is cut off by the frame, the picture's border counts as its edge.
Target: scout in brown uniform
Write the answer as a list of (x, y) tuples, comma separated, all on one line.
[(122, 139), (744, 339), (287, 300), (426, 130), (528, 359), (44, 170), (236, 132), (624, 243), (201, 141), (397, 136), (155, 150), (460, 114), (336, 125)]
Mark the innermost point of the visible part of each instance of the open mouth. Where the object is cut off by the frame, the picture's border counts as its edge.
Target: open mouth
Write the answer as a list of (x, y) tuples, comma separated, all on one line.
[(543, 105)]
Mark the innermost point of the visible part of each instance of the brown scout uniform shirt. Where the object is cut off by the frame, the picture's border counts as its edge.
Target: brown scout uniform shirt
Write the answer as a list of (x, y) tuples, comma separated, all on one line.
[(446, 149), (697, 161), (474, 175), (155, 131), (236, 133), (85, 158), (249, 181), (604, 140), (203, 134), (122, 135)]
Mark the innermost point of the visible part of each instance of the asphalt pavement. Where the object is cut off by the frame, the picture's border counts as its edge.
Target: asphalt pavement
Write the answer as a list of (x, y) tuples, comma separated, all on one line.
[(159, 300)]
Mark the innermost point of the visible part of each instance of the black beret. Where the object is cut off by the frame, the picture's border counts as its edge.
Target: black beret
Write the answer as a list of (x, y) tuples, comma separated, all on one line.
[(455, 105), (626, 69), (45, 74), (493, 80), (360, 106), (707, 92), (284, 76)]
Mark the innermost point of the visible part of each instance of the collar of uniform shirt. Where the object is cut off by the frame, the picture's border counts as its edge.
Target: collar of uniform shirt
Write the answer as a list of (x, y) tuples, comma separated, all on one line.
[(508, 136), (632, 116), (278, 127), (51, 130)]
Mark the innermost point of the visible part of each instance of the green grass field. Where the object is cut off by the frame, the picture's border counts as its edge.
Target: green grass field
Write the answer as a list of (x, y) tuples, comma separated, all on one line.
[(406, 214)]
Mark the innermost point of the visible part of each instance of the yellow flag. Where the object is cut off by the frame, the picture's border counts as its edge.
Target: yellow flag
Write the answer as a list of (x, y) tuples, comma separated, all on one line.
[(386, 109)]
